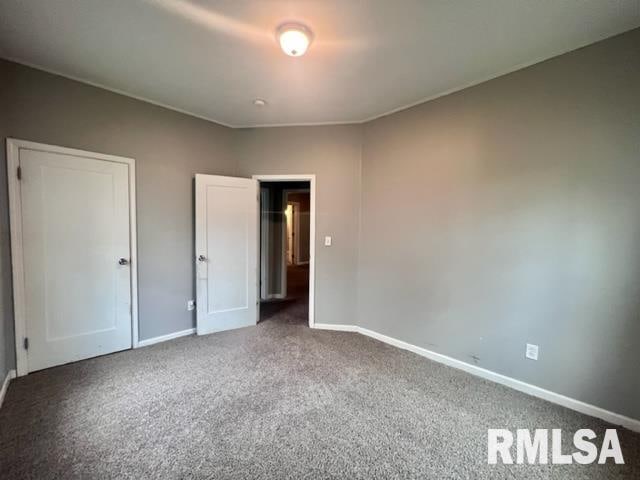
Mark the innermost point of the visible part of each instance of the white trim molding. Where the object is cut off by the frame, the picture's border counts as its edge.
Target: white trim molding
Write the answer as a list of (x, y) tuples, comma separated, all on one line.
[(553, 397), (336, 327), (11, 374), (311, 178), (436, 95), (263, 228), (15, 220), (164, 338)]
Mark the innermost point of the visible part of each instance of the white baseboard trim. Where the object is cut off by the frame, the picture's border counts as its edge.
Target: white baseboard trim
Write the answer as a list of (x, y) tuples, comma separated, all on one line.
[(11, 374), (338, 328), (164, 338), (568, 402)]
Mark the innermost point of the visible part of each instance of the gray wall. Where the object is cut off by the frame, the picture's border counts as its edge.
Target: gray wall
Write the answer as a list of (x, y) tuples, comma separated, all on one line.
[(510, 213), (333, 155), (169, 148)]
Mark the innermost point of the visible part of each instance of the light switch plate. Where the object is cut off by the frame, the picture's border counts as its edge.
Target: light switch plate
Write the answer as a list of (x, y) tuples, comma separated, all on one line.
[(191, 305), (531, 352), (327, 241)]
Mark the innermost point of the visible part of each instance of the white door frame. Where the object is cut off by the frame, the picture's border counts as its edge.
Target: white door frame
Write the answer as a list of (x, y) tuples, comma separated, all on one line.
[(17, 258), (311, 178), (295, 207), (295, 223), (285, 201), (264, 228)]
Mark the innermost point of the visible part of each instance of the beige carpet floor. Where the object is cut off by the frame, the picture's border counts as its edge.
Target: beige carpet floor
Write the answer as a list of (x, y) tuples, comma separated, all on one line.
[(275, 401)]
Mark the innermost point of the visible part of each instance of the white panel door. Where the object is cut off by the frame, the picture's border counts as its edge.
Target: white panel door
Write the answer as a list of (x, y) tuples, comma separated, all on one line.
[(76, 256), (226, 252)]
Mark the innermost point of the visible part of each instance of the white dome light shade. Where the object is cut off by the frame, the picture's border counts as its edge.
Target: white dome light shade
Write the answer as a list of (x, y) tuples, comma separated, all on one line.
[(294, 39)]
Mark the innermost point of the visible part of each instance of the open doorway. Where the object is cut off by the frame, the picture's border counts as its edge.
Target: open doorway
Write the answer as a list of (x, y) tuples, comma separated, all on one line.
[(286, 249)]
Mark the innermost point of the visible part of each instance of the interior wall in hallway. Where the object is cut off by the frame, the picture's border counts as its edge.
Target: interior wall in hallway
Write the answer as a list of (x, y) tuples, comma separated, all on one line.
[(509, 213), (275, 228), (304, 218)]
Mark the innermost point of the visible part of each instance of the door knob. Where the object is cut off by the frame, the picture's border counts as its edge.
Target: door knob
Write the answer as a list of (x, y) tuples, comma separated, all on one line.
[(202, 258), (123, 261)]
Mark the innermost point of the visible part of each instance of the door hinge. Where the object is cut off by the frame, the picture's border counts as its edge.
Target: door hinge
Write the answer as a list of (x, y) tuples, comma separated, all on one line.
[(19, 172), (26, 343)]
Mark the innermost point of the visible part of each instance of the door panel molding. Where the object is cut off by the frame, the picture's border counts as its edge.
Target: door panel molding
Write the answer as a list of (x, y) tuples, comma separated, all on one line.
[(14, 146)]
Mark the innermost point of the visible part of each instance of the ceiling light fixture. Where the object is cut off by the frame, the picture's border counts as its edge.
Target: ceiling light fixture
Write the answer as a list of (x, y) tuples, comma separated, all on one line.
[(294, 39), (258, 102)]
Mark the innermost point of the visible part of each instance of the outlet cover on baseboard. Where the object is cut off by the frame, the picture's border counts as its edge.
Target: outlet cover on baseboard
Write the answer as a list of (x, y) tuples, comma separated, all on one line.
[(531, 351)]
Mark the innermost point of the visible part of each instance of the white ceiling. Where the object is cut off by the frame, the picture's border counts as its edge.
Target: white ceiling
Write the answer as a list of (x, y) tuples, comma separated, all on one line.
[(369, 57)]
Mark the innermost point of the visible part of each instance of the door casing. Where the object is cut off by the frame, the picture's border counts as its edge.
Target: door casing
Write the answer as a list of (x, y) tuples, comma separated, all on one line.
[(295, 225), (15, 215)]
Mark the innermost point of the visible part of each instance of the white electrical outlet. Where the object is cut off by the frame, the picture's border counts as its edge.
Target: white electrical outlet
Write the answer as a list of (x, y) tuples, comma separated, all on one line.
[(531, 352), (191, 305)]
